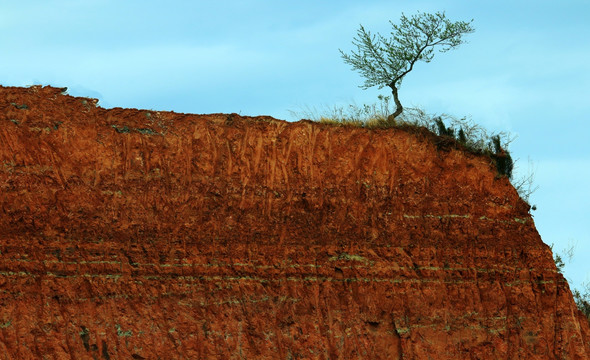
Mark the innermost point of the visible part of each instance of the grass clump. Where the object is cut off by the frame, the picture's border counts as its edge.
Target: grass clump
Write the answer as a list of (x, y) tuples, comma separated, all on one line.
[(366, 116)]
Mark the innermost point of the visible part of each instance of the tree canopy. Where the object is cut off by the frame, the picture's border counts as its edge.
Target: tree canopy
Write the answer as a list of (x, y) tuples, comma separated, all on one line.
[(385, 61)]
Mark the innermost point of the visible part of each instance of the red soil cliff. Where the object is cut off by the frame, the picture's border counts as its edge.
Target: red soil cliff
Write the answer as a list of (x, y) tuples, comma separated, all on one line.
[(128, 234)]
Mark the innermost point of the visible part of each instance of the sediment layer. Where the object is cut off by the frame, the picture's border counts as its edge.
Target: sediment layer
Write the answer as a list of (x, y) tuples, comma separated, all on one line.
[(129, 233)]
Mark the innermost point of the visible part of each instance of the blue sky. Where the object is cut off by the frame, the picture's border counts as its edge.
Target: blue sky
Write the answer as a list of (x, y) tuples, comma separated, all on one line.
[(525, 70)]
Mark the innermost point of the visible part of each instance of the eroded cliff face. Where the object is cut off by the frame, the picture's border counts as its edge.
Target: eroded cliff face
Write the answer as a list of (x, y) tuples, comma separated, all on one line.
[(157, 235)]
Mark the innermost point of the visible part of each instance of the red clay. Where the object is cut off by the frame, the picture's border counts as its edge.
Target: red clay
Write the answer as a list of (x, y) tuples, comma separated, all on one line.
[(140, 234)]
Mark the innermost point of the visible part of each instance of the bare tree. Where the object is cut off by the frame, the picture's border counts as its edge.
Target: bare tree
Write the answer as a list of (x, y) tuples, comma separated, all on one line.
[(385, 61)]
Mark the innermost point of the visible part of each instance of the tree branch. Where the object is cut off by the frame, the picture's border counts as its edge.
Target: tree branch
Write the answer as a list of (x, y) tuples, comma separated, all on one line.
[(385, 62)]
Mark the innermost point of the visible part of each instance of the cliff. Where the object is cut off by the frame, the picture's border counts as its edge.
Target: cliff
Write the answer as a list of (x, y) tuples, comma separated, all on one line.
[(155, 235)]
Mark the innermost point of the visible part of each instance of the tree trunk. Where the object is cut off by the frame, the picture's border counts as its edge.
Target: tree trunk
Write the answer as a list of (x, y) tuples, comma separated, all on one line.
[(398, 105)]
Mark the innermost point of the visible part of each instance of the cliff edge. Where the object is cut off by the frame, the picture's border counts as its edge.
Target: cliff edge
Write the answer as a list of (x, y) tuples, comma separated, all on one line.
[(155, 235)]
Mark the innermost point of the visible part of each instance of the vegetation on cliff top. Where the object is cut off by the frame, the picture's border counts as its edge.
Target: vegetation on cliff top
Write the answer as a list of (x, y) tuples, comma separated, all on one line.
[(582, 298), (460, 133), (386, 61)]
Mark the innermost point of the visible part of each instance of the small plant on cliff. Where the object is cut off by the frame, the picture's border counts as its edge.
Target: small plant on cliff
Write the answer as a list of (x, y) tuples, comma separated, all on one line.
[(525, 185), (386, 61), (559, 264), (582, 299), (504, 162)]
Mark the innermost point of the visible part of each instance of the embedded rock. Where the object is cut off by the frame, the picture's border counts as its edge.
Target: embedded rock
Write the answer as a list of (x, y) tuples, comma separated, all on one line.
[(155, 235)]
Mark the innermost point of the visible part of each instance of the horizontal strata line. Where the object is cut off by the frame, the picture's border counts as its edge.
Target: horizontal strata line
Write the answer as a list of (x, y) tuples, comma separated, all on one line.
[(235, 300), (497, 330), (263, 280), (367, 265), (492, 324), (185, 302), (465, 216)]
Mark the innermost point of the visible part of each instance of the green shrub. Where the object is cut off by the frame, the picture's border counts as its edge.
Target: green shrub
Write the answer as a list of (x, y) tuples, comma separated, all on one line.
[(504, 162), (442, 129), (461, 136)]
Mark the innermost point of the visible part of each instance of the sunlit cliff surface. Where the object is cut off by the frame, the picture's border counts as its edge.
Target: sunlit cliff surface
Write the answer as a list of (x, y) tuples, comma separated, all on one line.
[(133, 234)]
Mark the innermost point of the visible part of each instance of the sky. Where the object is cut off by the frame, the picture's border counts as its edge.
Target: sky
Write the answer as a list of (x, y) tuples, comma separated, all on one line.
[(525, 70)]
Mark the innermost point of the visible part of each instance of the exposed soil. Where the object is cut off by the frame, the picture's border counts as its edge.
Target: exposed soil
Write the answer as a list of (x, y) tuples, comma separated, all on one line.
[(134, 234)]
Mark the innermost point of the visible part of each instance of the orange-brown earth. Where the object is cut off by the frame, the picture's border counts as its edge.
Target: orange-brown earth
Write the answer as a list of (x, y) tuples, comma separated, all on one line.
[(155, 235)]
